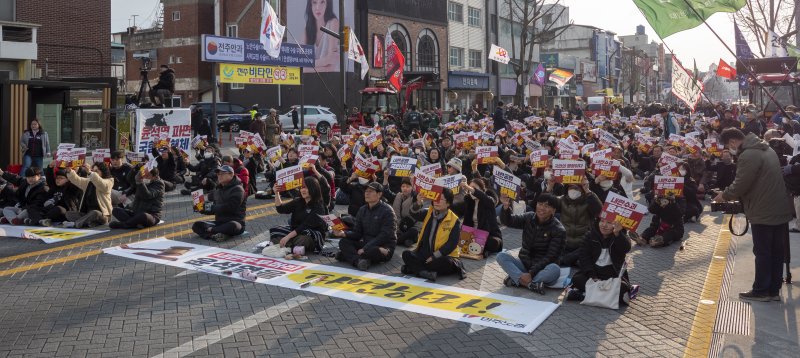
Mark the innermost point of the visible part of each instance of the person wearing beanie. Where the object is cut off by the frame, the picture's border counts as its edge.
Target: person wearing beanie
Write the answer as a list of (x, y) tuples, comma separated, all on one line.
[(454, 166)]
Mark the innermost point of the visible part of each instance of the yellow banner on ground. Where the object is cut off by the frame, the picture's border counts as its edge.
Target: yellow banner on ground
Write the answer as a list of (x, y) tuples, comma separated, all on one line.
[(259, 75)]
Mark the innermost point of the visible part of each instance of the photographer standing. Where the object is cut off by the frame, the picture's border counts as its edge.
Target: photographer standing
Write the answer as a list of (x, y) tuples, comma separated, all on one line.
[(164, 88), (760, 187)]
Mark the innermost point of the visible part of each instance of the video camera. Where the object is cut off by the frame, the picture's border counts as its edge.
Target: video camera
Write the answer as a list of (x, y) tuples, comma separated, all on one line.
[(731, 207), (146, 63)]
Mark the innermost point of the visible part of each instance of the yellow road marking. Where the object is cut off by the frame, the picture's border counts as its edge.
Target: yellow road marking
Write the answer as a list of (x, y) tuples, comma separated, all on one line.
[(98, 251), (112, 237), (700, 336)]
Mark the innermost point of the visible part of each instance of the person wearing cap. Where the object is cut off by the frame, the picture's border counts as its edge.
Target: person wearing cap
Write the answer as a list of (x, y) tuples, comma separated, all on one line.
[(229, 207), (119, 170), (253, 112), (31, 196), (753, 124), (373, 236), (167, 167), (204, 176), (436, 253), (542, 243), (63, 197), (147, 206)]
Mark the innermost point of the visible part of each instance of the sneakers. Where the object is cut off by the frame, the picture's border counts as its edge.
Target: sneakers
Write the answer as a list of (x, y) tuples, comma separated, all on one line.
[(16, 221), (218, 237), (750, 296), (537, 287), (575, 294), (363, 264), (633, 292), (509, 282), (46, 222), (116, 225), (428, 275), (4, 221), (68, 224)]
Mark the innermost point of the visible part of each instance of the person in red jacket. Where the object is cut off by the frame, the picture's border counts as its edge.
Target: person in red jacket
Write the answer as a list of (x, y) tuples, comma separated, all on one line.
[(240, 171)]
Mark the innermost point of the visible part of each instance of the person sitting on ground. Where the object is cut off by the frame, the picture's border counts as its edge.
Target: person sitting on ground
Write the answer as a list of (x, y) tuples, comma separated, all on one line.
[(167, 167), (229, 207), (31, 196), (119, 170), (602, 256), (578, 209), (405, 208), (95, 208), (64, 197), (8, 195), (204, 177), (542, 243), (148, 204), (354, 187), (306, 227), (436, 253), (372, 238), (666, 226), (479, 213)]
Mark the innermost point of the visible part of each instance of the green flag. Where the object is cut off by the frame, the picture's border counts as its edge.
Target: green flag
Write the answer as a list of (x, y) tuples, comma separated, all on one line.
[(669, 17)]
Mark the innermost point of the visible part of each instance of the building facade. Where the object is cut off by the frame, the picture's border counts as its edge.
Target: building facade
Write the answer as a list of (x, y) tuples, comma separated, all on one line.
[(467, 79)]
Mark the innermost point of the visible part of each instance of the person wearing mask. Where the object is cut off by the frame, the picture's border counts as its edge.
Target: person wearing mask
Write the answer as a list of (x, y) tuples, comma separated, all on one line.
[(760, 186), (753, 124), (436, 253), (204, 176), (34, 146), (602, 255), (229, 207), (148, 205), (354, 187), (167, 167), (406, 210), (666, 226), (306, 227), (95, 208), (161, 93), (64, 197), (578, 209), (119, 170), (479, 212), (542, 243), (31, 196), (372, 238)]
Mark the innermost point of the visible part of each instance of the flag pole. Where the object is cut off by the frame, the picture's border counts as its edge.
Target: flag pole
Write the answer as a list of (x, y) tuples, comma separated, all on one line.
[(738, 60)]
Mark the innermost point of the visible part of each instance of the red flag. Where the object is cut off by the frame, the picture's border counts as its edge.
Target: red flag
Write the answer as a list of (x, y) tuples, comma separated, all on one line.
[(725, 70), (394, 66)]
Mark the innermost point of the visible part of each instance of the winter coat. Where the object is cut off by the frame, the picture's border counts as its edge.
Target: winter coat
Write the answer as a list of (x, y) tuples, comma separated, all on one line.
[(375, 226), (759, 184), (230, 203), (166, 80), (121, 176), (28, 196), (102, 188), (25, 138), (149, 198), (487, 217), (166, 168), (67, 196), (305, 216), (542, 243), (578, 216), (445, 240), (591, 248)]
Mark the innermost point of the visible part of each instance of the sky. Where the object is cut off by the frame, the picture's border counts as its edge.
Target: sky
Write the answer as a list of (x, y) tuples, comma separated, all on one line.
[(619, 16)]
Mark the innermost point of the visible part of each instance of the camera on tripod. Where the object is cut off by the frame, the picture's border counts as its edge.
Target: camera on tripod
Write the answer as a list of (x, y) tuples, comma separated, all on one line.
[(144, 85)]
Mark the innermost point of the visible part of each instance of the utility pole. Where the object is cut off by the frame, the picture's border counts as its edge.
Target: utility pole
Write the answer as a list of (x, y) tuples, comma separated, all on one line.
[(796, 23), (134, 20), (342, 64)]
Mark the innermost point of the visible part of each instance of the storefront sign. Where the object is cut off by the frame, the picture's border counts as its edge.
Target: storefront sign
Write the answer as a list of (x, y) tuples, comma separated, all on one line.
[(259, 75), (467, 80)]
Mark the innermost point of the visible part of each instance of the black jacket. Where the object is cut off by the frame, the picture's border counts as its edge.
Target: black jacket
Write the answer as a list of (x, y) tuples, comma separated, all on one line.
[(304, 216), (542, 244), (376, 227), (499, 119), (618, 246), (28, 196), (230, 204), (205, 167), (356, 193), (149, 198), (487, 219), (166, 80), (166, 168), (67, 196), (121, 176)]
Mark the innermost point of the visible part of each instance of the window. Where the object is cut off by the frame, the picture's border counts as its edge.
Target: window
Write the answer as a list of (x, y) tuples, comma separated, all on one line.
[(178, 59), (310, 111), (176, 15), (457, 56), (455, 12), (232, 31), (547, 19), (474, 17), (475, 58), (237, 86), (427, 52)]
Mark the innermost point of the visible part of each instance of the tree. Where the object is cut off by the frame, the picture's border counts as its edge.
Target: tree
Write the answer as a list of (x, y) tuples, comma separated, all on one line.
[(758, 17), (531, 16)]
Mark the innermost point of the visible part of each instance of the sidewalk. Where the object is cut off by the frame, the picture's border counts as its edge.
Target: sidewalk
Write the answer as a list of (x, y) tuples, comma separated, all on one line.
[(756, 329)]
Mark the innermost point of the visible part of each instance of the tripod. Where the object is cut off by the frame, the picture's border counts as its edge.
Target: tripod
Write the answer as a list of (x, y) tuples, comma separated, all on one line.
[(143, 86)]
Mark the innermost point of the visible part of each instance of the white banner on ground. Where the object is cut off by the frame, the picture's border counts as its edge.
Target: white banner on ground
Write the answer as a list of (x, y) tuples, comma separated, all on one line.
[(469, 306), (151, 123), (49, 235)]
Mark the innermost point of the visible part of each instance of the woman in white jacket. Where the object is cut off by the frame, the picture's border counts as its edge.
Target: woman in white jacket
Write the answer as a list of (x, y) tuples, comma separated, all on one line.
[(95, 207)]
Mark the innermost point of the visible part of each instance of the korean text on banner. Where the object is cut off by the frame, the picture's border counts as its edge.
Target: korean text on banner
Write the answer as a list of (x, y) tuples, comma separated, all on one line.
[(569, 171), (499, 54), (433, 170), (451, 182), (70, 157), (684, 86), (608, 168), (668, 185), (363, 167), (623, 210), (485, 154), (289, 178), (539, 158), (402, 166), (334, 222), (198, 200), (426, 186), (258, 75), (150, 123), (506, 183)]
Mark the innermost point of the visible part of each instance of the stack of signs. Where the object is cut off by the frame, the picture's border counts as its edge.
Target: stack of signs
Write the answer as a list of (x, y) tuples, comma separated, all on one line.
[(451, 182), (569, 171), (668, 165), (135, 157), (334, 222), (623, 210), (539, 158), (402, 166), (198, 200), (70, 157), (274, 156), (485, 155), (345, 153), (101, 156), (507, 184), (364, 167), (433, 170), (668, 186), (713, 147), (472, 242), (608, 168), (290, 178), (427, 187)]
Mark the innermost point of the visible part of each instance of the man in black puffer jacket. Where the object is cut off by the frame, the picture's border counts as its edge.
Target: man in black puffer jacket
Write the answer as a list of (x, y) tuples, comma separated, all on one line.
[(148, 204), (543, 239), (204, 176), (230, 205)]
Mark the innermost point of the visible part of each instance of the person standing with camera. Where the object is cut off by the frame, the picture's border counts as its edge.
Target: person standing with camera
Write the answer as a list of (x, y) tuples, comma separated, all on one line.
[(759, 185), (164, 88)]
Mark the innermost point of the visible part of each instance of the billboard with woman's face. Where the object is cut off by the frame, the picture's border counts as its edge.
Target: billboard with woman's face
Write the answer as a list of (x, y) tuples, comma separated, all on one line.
[(304, 19)]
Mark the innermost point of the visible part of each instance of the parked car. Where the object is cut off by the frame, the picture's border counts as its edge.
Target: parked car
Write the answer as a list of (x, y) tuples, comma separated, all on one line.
[(230, 117), (322, 117)]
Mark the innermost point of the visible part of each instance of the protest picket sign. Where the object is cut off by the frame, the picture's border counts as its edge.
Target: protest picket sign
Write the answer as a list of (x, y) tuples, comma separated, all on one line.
[(198, 200), (426, 186), (472, 242), (620, 209), (485, 154), (256, 144), (334, 222), (589, 148), (608, 168), (451, 182), (135, 158), (505, 312), (670, 169), (568, 154), (101, 156), (675, 140), (345, 153), (290, 178), (402, 166), (539, 158), (668, 185), (175, 123), (70, 158), (506, 183), (418, 143), (199, 142), (274, 156), (692, 145), (307, 161), (569, 171), (667, 158), (712, 147), (304, 150), (644, 144), (434, 170), (363, 167)]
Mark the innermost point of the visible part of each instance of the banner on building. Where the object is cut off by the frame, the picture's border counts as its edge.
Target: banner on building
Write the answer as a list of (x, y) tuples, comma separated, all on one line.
[(258, 75), (151, 123)]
